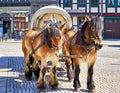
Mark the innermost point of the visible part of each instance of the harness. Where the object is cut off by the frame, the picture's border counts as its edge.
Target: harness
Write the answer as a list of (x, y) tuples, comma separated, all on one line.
[(31, 43), (46, 41), (80, 41)]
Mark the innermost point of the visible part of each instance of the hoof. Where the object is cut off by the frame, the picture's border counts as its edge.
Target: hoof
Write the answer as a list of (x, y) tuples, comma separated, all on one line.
[(70, 79), (36, 73), (55, 86), (41, 86), (92, 91), (28, 75), (77, 89)]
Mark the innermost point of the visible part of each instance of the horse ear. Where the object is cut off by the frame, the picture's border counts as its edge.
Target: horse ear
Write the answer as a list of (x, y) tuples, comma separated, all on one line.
[(102, 18), (89, 18), (62, 26)]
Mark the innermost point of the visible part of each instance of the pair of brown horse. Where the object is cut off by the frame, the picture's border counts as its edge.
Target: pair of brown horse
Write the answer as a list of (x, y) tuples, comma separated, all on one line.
[(43, 46)]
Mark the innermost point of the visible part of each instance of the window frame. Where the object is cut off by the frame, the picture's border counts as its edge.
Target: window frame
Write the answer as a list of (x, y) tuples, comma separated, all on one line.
[(84, 4), (119, 3), (110, 5), (92, 5), (64, 5)]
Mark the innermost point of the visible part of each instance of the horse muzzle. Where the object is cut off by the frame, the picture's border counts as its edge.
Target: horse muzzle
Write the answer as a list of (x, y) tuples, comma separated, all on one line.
[(98, 45)]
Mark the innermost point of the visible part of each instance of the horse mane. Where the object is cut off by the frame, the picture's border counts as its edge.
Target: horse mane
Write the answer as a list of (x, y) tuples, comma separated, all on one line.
[(80, 33), (99, 23), (83, 28)]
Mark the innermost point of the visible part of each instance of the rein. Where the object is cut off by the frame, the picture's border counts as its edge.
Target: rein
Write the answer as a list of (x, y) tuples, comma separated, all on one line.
[(40, 32)]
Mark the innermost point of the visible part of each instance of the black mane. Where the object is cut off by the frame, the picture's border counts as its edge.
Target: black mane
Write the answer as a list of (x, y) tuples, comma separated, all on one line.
[(83, 28), (80, 33)]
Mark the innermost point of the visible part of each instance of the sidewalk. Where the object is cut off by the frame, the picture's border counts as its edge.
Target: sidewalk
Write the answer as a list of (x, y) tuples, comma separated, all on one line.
[(111, 41), (105, 41), (12, 40)]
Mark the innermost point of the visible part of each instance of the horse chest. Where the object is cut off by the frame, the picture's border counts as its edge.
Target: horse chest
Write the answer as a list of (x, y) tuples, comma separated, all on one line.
[(51, 57)]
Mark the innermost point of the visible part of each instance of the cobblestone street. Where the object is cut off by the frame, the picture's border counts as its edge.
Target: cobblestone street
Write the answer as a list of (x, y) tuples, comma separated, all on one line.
[(106, 71)]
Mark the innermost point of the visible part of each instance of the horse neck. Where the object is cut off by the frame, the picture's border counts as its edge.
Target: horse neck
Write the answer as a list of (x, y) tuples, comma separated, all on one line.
[(86, 37)]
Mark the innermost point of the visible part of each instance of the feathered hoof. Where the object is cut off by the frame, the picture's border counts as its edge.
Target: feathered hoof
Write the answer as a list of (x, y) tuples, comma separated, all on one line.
[(92, 91), (36, 73), (28, 75), (70, 79), (55, 86), (41, 85), (77, 89)]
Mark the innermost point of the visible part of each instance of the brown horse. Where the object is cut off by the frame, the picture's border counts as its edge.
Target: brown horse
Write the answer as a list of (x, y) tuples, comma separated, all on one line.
[(83, 46), (42, 46)]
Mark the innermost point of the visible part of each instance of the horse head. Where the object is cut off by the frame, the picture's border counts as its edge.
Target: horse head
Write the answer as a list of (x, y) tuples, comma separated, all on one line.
[(54, 34), (93, 31)]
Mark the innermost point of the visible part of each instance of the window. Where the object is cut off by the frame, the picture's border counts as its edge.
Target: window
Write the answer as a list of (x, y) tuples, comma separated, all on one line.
[(67, 3), (81, 3), (94, 3), (118, 2), (110, 2)]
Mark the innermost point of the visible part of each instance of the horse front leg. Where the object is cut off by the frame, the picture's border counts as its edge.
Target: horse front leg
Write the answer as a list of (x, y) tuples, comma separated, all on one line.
[(53, 81), (76, 82), (69, 66), (41, 83), (90, 82)]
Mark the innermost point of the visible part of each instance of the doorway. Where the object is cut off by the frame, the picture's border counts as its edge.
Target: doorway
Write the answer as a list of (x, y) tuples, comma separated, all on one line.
[(6, 27)]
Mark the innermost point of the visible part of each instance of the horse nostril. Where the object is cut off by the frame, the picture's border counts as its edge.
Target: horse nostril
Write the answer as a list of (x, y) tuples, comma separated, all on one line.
[(96, 43), (100, 46)]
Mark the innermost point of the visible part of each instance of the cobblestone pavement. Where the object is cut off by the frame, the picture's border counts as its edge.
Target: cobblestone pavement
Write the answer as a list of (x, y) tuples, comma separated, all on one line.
[(106, 71)]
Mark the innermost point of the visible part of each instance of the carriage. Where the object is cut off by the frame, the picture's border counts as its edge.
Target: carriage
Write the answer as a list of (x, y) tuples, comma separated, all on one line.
[(44, 14)]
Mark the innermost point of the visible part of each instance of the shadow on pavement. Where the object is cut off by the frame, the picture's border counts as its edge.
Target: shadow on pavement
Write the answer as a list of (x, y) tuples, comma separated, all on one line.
[(114, 45), (12, 69)]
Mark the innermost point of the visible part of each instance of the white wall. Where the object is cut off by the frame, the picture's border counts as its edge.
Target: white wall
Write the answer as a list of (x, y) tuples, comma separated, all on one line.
[(111, 10)]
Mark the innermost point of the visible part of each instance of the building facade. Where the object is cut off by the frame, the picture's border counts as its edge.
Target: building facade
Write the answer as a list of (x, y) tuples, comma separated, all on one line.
[(15, 15), (109, 9)]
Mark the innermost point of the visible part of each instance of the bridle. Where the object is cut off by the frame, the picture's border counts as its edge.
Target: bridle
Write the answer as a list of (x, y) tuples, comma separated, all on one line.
[(92, 36)]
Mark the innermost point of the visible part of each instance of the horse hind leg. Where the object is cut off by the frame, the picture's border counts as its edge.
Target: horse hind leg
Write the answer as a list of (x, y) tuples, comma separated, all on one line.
[(28, 72), (28, 69), (34, 66), (53, 77), (36, 69)]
